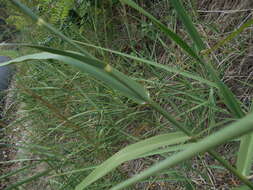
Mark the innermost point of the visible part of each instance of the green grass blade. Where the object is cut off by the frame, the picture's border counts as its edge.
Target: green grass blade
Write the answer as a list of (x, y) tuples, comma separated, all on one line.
[(155, 64), (41, 22), (131, 152), (173, 36), (27, 180), (230, 100), (175, 148), (234, 130), (76, 55), (244, 162), (9, 53), (243, 187), (229, 37), (245, 155), (225, 92), (7, 175), (228, 97), (192, 31), (244, 159), (122, 83)]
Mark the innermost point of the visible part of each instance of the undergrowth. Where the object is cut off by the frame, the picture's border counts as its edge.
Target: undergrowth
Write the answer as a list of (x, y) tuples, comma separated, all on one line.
[(73, 122)]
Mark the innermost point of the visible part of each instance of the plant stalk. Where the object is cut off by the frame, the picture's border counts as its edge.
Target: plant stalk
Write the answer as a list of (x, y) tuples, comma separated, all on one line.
[(213, 153), (49, 27), (177, 124), (230, 168)]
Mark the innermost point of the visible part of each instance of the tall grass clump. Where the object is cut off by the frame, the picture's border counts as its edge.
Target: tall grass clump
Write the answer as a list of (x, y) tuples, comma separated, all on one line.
[(184, 140)]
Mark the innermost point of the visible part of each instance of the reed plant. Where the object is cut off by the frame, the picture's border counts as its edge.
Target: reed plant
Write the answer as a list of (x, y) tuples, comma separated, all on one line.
[(194, 143)]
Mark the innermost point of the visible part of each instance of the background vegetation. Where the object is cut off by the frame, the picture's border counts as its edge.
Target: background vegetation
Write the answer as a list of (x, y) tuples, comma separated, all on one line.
[(70, 122)]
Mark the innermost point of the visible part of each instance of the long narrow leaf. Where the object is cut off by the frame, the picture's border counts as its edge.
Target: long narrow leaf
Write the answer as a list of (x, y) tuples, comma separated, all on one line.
[(225, 92), (76, 55), (230, 100), (177, 39), (229, 37), (128, 87), (246, 147), (131, 152), (188, 24), (243, 187), (7, 175), (237, 129), (155, 64), (43, 23), (245, 155), (28, 179)]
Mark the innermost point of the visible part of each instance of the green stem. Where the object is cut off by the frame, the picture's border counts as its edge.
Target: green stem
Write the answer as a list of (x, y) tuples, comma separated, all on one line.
[(177, 124), (214, 154), (228, 166), (41, 22), (162, 111)]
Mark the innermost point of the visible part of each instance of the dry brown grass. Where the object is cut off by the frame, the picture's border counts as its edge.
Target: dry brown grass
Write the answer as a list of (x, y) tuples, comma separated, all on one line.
[(227, 13)]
